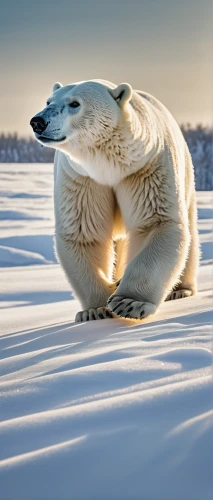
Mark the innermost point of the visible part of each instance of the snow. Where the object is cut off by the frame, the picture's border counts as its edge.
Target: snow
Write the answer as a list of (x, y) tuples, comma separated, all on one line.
[(113, 409)]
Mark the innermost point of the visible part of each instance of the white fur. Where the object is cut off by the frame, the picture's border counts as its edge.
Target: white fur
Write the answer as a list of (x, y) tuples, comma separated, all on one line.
[(122, 173)]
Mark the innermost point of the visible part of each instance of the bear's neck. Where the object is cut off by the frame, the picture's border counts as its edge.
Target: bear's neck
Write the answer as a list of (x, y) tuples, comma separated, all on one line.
[(122, 152)]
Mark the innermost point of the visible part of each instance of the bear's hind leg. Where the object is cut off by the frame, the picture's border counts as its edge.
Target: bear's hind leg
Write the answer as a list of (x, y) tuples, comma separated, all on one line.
[(120, 259), (187, 285)]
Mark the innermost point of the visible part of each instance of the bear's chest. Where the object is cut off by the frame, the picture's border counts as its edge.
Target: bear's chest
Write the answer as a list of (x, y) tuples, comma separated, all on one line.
[(84, 210)]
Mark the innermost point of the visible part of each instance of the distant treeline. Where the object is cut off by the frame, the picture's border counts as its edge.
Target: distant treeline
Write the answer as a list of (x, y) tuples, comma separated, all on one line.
[(14, 149), (200, 144)]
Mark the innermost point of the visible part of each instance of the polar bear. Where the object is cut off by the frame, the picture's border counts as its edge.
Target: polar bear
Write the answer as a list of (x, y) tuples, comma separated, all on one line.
[(124, 194)]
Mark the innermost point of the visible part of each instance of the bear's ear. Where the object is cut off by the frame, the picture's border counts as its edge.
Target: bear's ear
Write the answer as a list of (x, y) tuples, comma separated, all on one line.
[(122, 93), (56, 86)]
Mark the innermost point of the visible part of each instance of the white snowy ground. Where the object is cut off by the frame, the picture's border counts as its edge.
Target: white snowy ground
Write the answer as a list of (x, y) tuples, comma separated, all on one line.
[(107, 410)]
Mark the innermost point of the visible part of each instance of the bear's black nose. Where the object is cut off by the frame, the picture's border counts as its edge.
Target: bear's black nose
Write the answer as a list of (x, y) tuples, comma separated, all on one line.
[(38, 124)]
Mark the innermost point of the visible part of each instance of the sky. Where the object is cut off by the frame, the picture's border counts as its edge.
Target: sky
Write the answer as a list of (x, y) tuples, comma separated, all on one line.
[(163, 47)]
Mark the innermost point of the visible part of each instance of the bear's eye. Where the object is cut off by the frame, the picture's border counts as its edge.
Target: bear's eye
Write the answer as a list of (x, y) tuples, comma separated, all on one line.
[(48, 103), (74, 104)]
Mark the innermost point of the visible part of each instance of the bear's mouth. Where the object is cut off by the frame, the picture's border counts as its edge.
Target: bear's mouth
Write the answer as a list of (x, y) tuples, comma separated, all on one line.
[(43, 138)]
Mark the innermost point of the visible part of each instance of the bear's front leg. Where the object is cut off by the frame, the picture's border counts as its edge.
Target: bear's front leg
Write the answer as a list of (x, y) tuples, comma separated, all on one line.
[(153, 272), (82, 266), (84, 215)]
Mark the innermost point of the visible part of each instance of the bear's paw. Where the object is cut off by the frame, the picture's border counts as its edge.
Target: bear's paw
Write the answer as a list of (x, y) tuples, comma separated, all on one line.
[(179, 294), (130, 308), (93, 314)]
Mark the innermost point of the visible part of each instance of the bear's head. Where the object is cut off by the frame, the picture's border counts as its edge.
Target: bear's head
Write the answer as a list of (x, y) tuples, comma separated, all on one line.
[(80, 115), (95, 124)]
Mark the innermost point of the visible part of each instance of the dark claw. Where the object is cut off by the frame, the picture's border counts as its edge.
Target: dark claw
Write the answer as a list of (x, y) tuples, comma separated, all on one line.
[(108, 314), (109, 300), (116, 307), (101, 316), (118, 312), (141, 314), (93, 316), (130, 309)]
